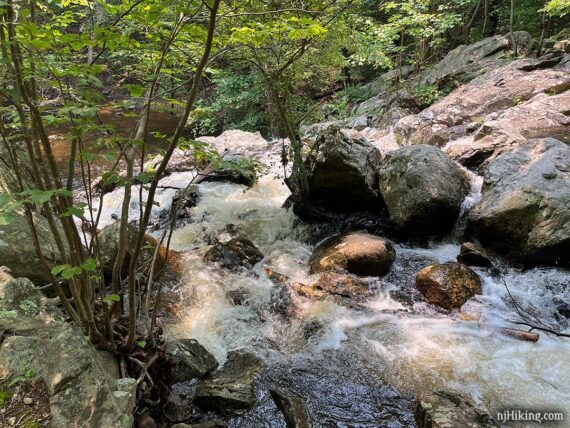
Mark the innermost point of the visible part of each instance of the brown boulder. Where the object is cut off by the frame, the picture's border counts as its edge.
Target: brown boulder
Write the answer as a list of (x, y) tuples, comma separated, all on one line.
[(357, 252), (341, 284), (448, 285)]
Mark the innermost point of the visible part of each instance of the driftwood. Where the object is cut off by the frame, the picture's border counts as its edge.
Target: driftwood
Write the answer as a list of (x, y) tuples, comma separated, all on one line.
[(520, 334)]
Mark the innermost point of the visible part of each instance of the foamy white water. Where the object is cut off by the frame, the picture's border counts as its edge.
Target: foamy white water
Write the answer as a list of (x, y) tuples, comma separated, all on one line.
[(408, 343)]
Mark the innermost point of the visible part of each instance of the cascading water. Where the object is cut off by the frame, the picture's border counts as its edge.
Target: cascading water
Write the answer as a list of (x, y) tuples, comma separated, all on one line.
[(341, 359)]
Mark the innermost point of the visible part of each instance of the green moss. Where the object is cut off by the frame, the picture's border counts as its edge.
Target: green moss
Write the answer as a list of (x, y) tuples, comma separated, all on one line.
[(5, 396), (31, 424)]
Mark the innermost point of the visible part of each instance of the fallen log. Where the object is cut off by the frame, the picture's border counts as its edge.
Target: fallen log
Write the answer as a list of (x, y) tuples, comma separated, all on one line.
[(520, 334)]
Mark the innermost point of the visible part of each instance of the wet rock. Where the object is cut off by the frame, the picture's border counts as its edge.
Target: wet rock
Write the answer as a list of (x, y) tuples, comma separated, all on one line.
[(524, 212), (341, 284), (237, 169), (109, 245), (357, 252), (448, 410), (185, 199), (342, 171), (448, 285), (179, 406), (472, 254), (236, 253), (292, 407), (76, 375), (17, 251), (422, 189), (231, 391), (191, 360)]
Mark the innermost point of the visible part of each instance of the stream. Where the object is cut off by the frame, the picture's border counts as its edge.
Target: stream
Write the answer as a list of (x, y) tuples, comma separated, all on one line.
[(358, 367)]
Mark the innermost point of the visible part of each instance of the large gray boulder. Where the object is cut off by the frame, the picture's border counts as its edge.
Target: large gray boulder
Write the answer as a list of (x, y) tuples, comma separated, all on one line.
[(81, 382), (18, 253), (467, 61), (342, 170), (422, 189), (8, 179), (525, 208)]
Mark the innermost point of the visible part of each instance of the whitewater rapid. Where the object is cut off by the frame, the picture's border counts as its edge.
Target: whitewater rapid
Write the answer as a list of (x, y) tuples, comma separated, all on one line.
[(400, 338)]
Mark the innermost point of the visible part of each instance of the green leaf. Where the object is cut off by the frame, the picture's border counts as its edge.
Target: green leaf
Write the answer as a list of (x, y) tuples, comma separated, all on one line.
[(89, 265), (76, 211), (56, 270), (112, 298), (141, 344), (7, 218), (135, 90)]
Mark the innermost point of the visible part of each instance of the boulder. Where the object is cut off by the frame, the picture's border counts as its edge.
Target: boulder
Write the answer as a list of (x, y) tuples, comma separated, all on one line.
[(472, 254), (190, 359), (342, 170), (341, 284), (465, 62), (232, 390), (81, 382), (237, 169), (237, 252), (444, 409), (422, 189), (109, 245), (8, 179), (179, 406), (448, 285), (236, 141), (357, 252), (524, 211), (18, 253)]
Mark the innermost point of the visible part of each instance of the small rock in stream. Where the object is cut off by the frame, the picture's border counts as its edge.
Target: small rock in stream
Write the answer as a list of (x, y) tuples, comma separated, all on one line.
[(448, 285), (230, 391), (472, 254), (191, 360), (292, 407), (236, 253), (444, 409)]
